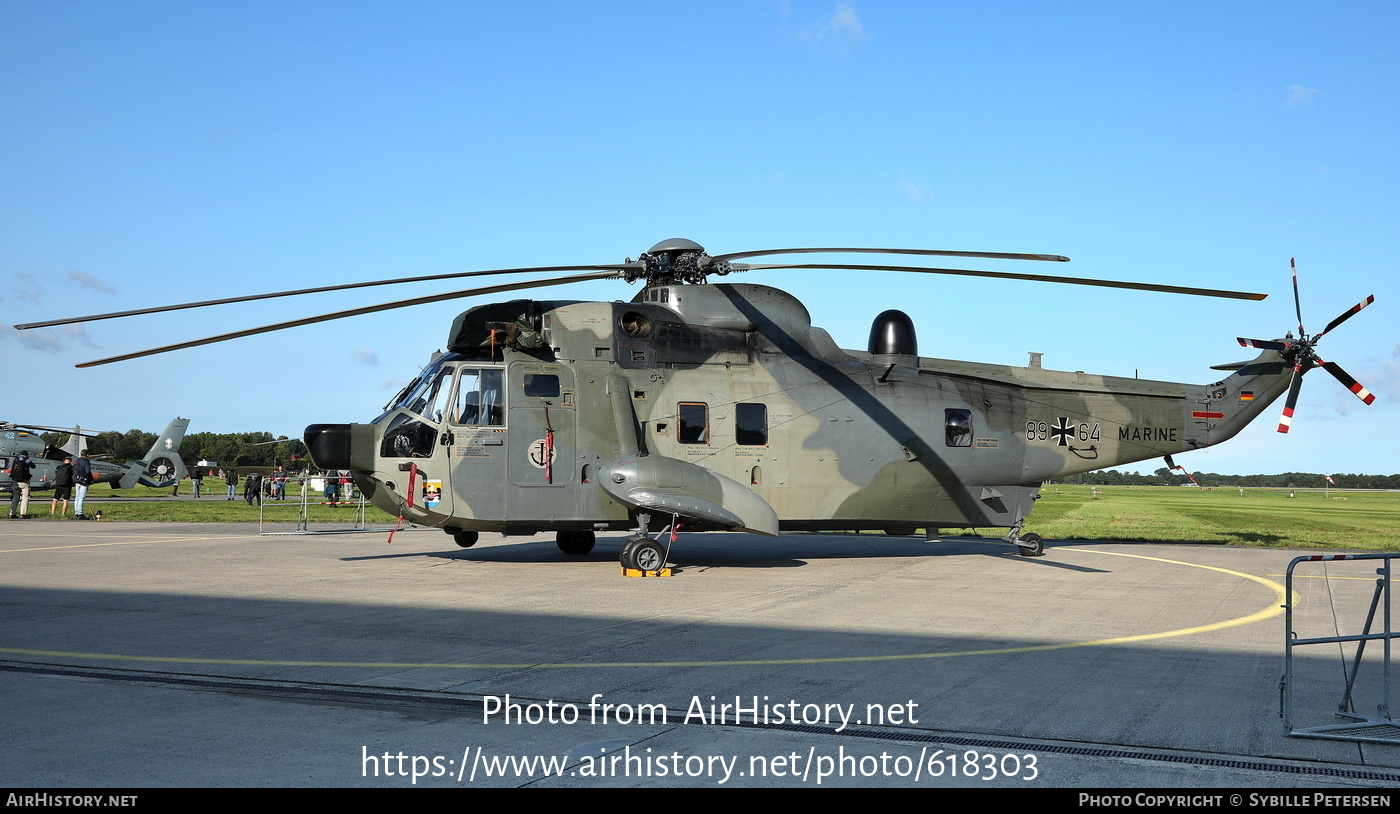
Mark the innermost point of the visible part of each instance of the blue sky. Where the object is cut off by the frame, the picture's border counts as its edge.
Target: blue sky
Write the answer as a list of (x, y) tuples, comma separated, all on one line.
[(156, 152)]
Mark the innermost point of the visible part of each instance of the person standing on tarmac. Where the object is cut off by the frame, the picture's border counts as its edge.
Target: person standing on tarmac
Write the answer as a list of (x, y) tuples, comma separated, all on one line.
[(62, 486), (21, 471), (82, 479)]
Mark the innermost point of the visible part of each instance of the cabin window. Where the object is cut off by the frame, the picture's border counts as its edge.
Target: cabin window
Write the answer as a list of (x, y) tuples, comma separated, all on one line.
[(693, 423), (541, 385), (957, 426), (479, 398), (751, 424)]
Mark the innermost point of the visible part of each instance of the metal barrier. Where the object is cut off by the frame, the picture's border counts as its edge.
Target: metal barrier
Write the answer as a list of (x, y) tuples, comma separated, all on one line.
[(1378, 729), (304, 510)]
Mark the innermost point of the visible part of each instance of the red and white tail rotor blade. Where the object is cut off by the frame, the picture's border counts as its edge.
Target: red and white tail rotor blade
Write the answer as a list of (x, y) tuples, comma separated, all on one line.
[(1285, 421), (1263, 344), (1356, 309), (1348, 382), (1297, 303)]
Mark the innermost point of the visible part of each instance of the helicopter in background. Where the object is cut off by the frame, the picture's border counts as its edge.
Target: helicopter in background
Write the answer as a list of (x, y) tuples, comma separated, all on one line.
[(161, 466), (719, 406)]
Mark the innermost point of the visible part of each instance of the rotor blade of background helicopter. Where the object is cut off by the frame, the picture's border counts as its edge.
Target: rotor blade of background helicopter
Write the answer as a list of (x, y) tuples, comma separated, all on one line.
[(937, 252), (353, 312), (1348, 382), (342, 287), (1262, 344), (1170, 289), (5, 425), (1348, 315), (1285, 421)]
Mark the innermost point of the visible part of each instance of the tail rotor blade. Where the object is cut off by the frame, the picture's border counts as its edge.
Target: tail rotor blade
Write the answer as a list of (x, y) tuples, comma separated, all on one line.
[(1285, 421), (1356, 309), (1297, 303), (1348, 382), (1262, 344)]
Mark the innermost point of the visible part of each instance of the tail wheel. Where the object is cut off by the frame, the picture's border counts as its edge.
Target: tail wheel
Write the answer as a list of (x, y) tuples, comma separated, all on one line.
[(1031, 545), (465, 539)]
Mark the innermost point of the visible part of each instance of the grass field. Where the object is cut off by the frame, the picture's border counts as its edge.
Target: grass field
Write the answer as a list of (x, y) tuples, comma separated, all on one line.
[(1160, 514), (1256, 517), (212, 507)]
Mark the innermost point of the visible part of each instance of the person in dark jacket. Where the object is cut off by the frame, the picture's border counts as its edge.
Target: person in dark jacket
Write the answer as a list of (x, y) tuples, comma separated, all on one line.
[(82, 479), (21, 471), (62, 486)]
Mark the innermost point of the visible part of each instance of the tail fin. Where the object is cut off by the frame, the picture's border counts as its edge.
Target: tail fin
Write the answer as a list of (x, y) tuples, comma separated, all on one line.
[(162, 465), (75, 445)]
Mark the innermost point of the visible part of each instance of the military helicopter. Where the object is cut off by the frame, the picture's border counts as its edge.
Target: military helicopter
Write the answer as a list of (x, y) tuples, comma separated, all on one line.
[(719, 406), (161, 466)]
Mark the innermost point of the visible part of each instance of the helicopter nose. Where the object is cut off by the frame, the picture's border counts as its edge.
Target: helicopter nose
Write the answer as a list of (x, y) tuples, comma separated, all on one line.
[(329, 445)]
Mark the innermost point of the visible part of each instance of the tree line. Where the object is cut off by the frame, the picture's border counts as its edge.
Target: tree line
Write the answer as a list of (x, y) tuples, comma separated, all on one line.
[(226, 449), (1286, 480)]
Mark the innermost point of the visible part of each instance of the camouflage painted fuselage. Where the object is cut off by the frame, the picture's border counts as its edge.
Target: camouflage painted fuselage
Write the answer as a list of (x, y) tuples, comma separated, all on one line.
[(723, 405)]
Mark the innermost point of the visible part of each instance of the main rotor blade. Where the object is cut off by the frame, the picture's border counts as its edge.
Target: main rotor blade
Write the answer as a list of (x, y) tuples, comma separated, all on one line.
[(1348, 382), (1170, 289), (1285, 421), (1355, 309), (936, 252), (322, 289), (388, 306)]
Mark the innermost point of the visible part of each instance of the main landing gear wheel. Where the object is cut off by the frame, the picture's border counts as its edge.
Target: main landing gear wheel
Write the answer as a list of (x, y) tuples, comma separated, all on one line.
[(1031, 545), (643, 554), (576, 543), (465, 539)]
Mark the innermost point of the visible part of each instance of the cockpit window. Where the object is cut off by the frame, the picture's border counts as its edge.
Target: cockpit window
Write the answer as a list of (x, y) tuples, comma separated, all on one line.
[(427, 395)]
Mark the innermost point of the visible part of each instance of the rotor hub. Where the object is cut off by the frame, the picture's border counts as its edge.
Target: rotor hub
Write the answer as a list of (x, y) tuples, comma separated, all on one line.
[(677, 261)]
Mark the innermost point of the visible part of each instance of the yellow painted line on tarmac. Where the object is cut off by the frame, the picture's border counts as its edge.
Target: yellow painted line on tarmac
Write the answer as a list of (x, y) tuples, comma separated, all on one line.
[(129, 542), (1268, 612), (1324, 576)]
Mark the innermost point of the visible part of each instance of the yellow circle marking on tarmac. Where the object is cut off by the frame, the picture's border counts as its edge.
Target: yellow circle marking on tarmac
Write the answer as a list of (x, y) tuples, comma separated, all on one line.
[(1267, 612)]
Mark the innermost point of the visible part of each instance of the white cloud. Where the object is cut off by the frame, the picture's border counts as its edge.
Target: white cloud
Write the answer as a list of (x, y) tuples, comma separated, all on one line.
[(842, 29), (917, 192), (365, 356), (25, 290), (1298, 94), (90, 282), (50, 340)]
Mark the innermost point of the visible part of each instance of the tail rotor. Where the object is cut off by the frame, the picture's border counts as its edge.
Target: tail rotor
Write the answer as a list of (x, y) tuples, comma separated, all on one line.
[(1303, 354)]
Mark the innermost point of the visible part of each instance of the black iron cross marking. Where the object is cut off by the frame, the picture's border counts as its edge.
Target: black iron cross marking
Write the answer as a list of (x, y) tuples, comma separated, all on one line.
[(1062, 432)]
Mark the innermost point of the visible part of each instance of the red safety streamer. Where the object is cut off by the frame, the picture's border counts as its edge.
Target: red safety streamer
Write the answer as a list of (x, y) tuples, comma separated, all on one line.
[(412, 476), (548, 448)]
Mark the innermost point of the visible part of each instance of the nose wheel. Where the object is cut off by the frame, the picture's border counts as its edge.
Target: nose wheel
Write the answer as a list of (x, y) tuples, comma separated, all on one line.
[(642, 554)]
